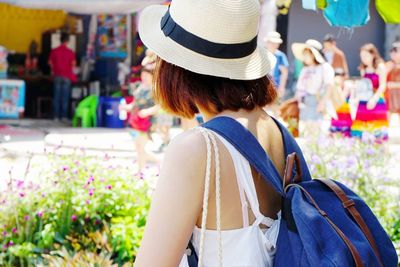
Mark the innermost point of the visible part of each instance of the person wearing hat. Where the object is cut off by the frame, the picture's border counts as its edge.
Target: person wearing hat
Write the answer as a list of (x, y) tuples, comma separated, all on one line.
[(335, 56), (393, 78), (281, 70), (210, 62), (315, 80)]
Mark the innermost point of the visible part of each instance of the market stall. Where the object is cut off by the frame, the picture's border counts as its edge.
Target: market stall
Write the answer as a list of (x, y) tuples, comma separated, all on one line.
[(103, 37)]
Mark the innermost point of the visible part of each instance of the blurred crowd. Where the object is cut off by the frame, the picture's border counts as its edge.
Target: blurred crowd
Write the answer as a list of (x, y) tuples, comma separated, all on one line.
[(323, 89)]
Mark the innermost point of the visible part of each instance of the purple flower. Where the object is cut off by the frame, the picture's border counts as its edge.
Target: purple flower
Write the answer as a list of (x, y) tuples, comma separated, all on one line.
[(20, 184), (370, 151), (11, 243), (90, 180), (26, 217), (74, 218), (351, 161), (5, 246), (316, 159), (65, 168), (87, 201), (14, 230), (40, 214), (5, 233), (97, 222), (21, 194), (109, 187), (91, 191), (43, 195)]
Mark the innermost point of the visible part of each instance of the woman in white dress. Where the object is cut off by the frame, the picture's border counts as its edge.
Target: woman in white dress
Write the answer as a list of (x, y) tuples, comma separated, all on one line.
[(210, 63)]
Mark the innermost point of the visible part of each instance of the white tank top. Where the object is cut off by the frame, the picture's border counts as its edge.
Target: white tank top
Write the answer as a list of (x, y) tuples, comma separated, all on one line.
[(249, 246)]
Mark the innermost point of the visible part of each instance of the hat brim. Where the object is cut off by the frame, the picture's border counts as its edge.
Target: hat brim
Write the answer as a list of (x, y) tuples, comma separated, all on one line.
[(274, 40), (298, 49), (252, 67)]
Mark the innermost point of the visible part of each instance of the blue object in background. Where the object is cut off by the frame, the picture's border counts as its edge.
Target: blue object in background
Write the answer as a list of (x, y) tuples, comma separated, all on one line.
[(348, 14), (108, 113), (12, 98)]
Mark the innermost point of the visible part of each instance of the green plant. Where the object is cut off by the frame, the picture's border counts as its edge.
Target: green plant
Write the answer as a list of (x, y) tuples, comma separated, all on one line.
[(81, 204)]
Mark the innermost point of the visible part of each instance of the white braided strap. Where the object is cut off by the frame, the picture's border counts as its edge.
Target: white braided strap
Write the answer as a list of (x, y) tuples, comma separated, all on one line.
[(218, 196), (206, 195), (207, 136)]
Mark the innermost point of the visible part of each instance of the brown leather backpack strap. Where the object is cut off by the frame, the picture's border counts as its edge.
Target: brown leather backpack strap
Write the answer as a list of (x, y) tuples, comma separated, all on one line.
[(353, 250), (349, 205), (291, 161)]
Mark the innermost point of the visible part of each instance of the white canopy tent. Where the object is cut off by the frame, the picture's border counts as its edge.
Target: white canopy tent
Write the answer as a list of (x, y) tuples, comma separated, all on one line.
[(86, 6)]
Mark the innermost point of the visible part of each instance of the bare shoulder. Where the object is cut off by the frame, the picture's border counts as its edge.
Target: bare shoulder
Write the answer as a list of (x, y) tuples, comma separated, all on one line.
[(188, 142), (187, 150)]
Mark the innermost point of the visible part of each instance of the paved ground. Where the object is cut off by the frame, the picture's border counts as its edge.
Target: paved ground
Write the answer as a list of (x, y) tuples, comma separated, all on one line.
[(25, 142)]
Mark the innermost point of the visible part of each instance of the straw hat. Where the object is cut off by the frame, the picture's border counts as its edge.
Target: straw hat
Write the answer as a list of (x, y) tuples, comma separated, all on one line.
[(274, 37), (313, 45), (211, 37)]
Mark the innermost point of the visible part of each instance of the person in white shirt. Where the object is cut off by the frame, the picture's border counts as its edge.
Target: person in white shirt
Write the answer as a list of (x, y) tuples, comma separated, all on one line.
[(316, 78)]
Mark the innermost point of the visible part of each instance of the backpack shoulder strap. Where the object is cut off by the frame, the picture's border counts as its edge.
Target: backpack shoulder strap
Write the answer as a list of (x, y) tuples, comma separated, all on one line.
[(291, 147), (248, 146)]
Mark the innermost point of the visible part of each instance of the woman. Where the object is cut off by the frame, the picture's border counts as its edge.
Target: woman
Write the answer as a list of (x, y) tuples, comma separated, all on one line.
[(142, 109), (372, 113), (316, 78), (225, 79)]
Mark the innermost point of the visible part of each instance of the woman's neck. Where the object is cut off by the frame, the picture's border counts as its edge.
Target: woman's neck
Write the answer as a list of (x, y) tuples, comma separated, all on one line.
[(241, 114)]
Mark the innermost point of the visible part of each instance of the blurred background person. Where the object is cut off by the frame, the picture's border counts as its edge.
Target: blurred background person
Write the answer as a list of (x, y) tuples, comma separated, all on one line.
[(62, 61), (315, 79), (372, 113), (335, 56), (393, 82), (142, 110), (281, 70)]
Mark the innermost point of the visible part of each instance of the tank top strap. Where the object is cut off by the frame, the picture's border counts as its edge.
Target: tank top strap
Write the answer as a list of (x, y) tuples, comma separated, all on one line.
[(246, 186)]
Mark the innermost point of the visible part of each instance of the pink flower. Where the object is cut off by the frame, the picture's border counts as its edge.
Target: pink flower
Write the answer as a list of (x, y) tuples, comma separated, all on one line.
[(11, 243), (14, 230), (20, 183), (74, 218), (91, 191), (65, 168), (90, 180), (5, 233), (26, 217), (109, 187), (21, 194), (87, 201), (40, 214)]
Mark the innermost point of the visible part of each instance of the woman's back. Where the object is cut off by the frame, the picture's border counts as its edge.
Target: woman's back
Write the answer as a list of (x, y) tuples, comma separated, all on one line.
[(215, 75), (268, 134), (248, 237)]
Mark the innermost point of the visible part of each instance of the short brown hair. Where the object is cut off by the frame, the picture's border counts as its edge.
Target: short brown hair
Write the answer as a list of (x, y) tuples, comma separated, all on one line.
[(180, 91)]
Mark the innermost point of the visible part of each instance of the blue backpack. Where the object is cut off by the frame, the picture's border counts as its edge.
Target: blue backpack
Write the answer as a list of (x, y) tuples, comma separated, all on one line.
[(323, 222)]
